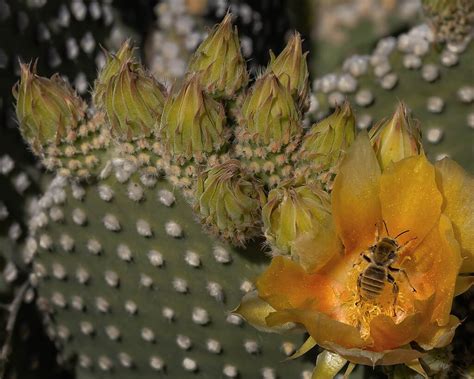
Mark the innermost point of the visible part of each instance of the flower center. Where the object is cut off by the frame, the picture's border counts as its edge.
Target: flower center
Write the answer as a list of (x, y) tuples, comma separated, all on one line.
[(359, 310)]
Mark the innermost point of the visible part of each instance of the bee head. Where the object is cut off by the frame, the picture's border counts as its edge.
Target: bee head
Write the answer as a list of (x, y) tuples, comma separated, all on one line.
[(385, 251)]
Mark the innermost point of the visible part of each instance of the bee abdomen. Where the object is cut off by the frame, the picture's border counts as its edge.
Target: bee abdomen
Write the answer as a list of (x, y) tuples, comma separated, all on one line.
[(372, 282)]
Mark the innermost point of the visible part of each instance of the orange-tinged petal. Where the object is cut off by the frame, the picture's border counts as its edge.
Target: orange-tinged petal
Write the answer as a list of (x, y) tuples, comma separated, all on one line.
[(255, 311), (322, 328), (355, 202), (433, 268), (435, 336), (410, 198), (389, 335), (372, 358), (457, 188), (286, 285)]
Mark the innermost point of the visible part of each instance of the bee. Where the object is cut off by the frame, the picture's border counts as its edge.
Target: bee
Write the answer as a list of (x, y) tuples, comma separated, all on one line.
[(380, 257)]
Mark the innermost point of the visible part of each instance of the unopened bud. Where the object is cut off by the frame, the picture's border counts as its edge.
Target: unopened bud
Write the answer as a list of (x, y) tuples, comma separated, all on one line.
[(47, 109), (269, 114), (291, 69), (327, 141), (396, 138), (193, 123), (228, 203), (293, 210), (133, 101), (219, 62), (111, 68)]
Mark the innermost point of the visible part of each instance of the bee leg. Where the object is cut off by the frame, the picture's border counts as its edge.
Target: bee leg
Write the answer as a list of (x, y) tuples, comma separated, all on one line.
[(395, 291), (401, 270)]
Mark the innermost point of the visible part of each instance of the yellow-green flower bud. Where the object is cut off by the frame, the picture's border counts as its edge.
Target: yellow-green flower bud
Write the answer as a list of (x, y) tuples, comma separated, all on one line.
[(228, 203), (219, 62), (47, 109), (269, 114), (112, 67), (291, 69), (133, 101), (293, 210), (192, 124), (396, 138), (327, 141)]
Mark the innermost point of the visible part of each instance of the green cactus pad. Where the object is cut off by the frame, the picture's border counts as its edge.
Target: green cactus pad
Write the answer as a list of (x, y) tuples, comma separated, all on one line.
[(135, 288), (433, 80)]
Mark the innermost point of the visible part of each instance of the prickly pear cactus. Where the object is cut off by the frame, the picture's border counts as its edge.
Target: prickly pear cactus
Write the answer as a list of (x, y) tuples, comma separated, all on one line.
[(433, 78), (166, 201), (142, 245)]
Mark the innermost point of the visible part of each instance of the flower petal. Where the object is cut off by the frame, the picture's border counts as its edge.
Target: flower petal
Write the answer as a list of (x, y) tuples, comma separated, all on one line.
[(410, 198), (433, 268), (434, 336), (315, 250), (372, 358), (463, 283), (322, 328), (328, 364), (389, 335), (254, 310), (355, 202), (286, 285), (457, 188)]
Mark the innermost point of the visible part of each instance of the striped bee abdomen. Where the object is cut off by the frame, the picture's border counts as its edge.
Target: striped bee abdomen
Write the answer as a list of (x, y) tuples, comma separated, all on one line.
[(372, 281)]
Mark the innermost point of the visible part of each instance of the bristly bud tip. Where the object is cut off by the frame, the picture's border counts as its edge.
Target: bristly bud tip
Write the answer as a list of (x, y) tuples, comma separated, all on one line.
[(229, 203), (269, 114), (193, 123), (397, 138), (219, 61), (291, 69), (47, 109), (327, 141)]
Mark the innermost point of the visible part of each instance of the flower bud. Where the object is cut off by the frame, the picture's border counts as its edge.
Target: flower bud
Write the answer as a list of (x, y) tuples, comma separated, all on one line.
[(112, 67), (291, 69), (193, 123), (219, 62), (47, 109), (269, 114), (228, 203), (396, 138), (293, 210), (133, 101), (327, 140)]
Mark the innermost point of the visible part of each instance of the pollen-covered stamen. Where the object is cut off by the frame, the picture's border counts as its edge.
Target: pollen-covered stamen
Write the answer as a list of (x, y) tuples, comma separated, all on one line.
[(359, 311)]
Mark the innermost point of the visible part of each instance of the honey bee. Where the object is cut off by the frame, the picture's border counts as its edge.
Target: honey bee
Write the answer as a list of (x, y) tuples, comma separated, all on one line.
[(380, 257)]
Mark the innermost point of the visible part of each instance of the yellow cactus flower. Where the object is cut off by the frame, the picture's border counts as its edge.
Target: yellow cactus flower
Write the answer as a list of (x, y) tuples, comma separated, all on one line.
[(407, 234)]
